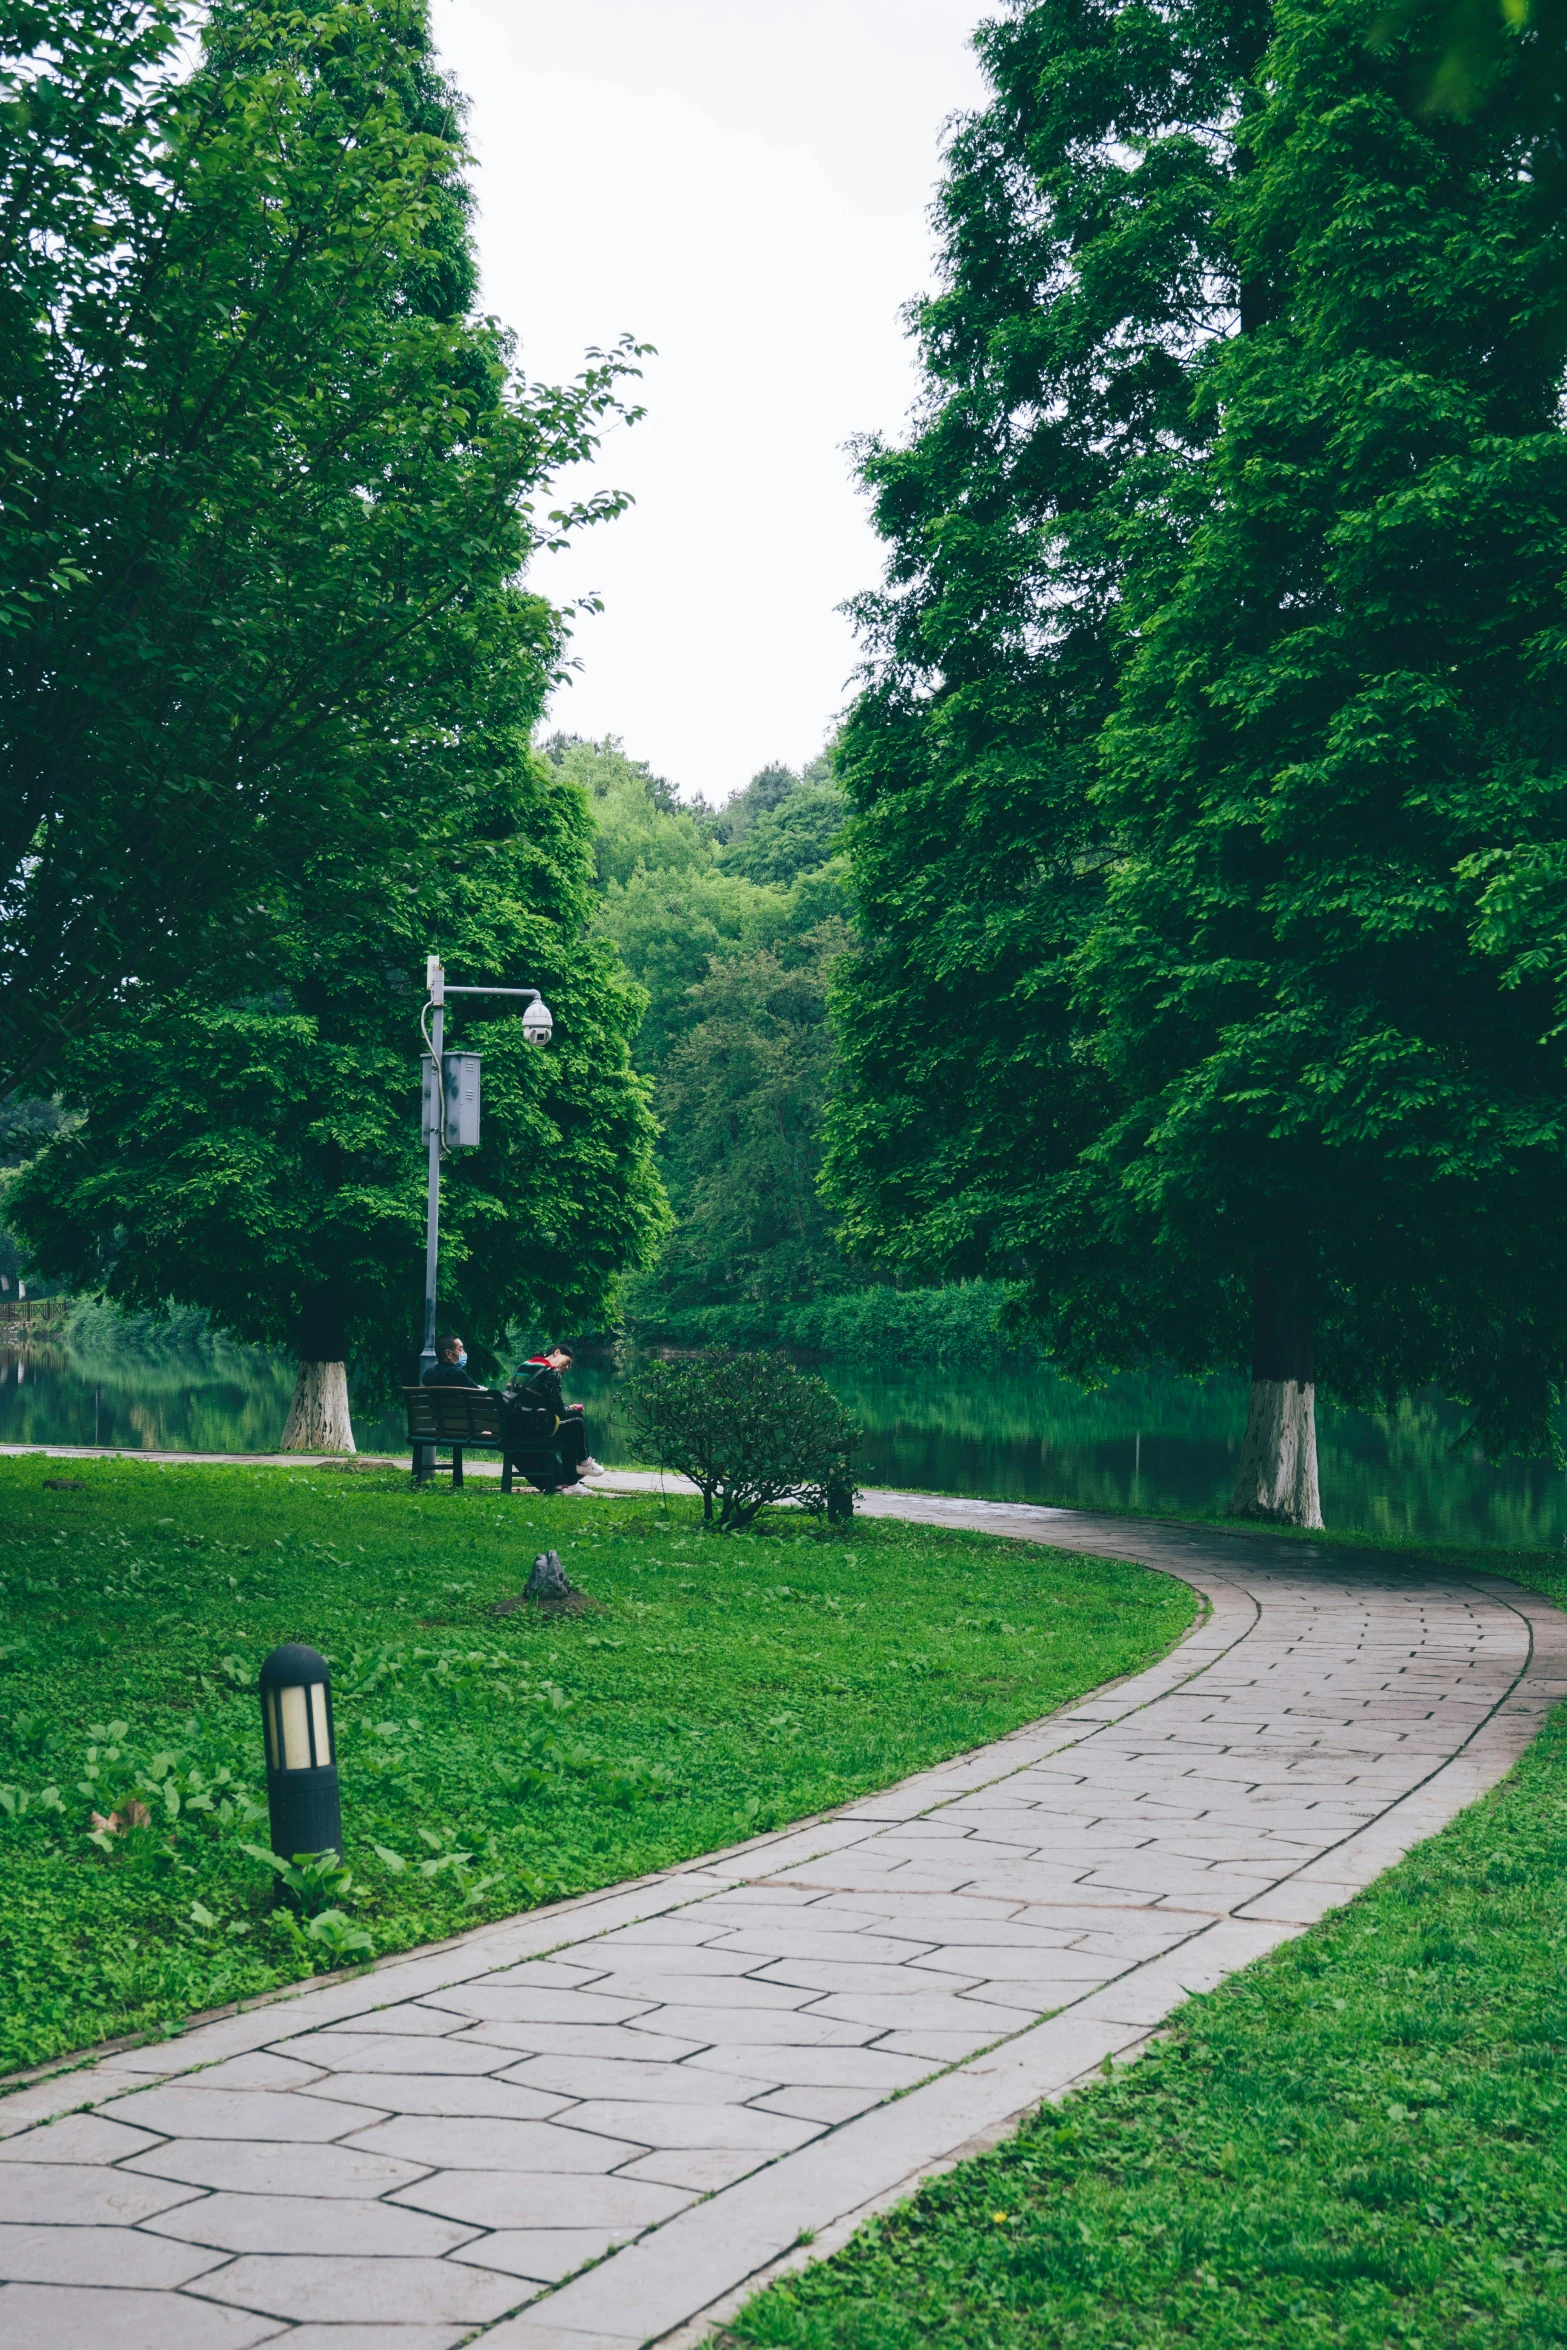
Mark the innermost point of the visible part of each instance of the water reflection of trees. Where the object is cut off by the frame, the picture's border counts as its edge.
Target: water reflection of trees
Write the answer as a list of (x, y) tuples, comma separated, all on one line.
[(1154, 1442), (143, 1386), (1147, 1442)]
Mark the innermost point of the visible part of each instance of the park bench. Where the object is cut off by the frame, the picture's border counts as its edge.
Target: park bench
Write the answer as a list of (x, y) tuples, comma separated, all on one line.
[(471, 1417)]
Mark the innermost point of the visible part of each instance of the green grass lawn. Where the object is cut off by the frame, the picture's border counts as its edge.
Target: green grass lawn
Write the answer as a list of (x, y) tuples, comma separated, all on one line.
[(1359, 2142), (489, 1762)]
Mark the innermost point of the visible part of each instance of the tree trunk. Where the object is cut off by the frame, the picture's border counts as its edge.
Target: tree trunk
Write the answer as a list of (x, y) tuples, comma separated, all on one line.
[(318, 1418), (1278, 1467)]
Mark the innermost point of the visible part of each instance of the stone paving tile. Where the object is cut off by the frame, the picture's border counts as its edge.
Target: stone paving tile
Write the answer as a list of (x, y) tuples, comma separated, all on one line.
[(471, 2094), (257, 2168), (691, 1959), (819, 2105), (679, 1990), (712, 2124), (74, 2195), (78, 2317), (515, 2003), (680, 1930), (508, 2040), (930, 2010), (864, 1945), (828, 2068), (185, 2109), (260, 2069), (373, 2337), (349, 2286), (558, 1974), (597, 2076), (940, 2048), (77, 2137), (702, 2168), (366, 2052), (410, 2018), (781, 2027), (991, 1968), (717, 2045), (897, 1982), (545, 2254), (453, 2142), (40, 2255), (546, 2199), (306, 2223)]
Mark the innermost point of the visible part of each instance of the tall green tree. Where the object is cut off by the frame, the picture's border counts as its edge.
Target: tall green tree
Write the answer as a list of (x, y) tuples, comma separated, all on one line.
[(303, 696), (1340, 1133), (262, 467), (1221, 1062), (1088, 278), (261, 1157)]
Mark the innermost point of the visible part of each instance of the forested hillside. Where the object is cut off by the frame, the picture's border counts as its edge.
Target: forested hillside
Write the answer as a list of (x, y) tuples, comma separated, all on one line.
[(732, 919)]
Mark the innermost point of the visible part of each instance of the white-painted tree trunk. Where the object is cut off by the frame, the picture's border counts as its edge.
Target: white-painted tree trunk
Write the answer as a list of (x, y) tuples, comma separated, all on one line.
[(1278, 1471), (318, 1418)]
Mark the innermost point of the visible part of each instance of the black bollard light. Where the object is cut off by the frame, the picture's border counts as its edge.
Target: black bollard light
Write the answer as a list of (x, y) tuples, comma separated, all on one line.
[(296, 1717)]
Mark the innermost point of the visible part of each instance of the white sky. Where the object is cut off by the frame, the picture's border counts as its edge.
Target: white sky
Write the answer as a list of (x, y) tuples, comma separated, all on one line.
[(746, 186)]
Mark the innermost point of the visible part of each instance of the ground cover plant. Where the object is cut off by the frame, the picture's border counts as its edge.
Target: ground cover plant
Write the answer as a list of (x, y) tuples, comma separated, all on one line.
[(713, 1688), (1360, 2142)]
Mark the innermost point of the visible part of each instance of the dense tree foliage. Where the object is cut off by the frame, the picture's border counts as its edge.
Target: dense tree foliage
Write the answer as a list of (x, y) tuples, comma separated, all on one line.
[(1214, 684), (732, 920), (1343, 709), (266, 477), (261, 1157), (312, 679), (1087, 278)]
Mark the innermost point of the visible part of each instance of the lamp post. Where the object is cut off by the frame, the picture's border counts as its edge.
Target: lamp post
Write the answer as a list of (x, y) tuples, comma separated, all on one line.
[(296, 1718), (538, 1026)]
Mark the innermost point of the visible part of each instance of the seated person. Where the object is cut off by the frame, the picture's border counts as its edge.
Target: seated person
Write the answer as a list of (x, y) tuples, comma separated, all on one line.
[(449, 1367), (536, 1385)]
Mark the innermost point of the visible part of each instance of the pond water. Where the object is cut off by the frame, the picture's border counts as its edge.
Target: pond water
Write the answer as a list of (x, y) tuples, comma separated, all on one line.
[(1148, 1443)]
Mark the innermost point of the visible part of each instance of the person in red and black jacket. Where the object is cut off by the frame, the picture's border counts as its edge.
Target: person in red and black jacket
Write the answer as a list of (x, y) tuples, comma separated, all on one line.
[(537, 1384)]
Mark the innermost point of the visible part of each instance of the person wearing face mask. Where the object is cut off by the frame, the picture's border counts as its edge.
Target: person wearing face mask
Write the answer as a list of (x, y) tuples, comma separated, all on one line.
[(567, 1450), (449, 1368)]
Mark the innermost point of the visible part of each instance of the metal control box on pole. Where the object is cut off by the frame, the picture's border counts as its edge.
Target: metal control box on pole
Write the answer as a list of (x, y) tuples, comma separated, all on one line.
[(462, 1100)]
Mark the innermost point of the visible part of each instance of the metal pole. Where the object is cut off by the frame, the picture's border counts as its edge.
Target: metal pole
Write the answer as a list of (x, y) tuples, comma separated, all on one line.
[(537, 1027), (425, 1453)]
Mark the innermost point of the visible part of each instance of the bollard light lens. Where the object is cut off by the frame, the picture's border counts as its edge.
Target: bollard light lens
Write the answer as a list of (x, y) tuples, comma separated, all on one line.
[(299, 1737)]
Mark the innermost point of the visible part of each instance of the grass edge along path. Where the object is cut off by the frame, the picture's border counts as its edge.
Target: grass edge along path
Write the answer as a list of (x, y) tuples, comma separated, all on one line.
[(714, 1689), (1360, 2141)]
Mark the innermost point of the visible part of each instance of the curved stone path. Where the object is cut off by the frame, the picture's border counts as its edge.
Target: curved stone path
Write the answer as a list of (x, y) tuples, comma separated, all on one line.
[(678, 2079)]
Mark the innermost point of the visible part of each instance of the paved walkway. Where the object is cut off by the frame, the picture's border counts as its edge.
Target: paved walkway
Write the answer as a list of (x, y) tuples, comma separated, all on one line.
[(675, 2080)]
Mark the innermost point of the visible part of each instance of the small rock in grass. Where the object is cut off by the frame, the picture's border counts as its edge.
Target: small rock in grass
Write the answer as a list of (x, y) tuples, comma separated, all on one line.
[(547, 1587)]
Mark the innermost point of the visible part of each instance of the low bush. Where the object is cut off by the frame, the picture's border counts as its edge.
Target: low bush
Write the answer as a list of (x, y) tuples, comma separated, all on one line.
[(747, 1430)]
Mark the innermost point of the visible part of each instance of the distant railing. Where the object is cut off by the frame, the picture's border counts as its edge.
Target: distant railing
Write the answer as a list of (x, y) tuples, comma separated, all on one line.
[(33, 1317)]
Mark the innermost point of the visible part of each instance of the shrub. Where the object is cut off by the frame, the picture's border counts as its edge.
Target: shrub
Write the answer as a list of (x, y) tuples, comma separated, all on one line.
[(747, 1429)]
